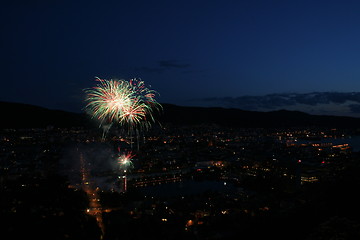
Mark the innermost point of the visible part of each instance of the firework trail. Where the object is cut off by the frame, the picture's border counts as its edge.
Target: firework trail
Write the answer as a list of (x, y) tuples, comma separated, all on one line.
[(127, 103), (125, 164)]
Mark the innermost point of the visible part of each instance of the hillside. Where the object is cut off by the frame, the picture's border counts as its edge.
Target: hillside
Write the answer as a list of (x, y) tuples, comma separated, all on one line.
[(317, 103), (236, 117), (17, 115)]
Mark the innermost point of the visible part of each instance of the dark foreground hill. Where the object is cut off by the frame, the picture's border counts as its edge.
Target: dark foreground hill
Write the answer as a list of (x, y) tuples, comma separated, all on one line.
[(236, 117), (17, 115)]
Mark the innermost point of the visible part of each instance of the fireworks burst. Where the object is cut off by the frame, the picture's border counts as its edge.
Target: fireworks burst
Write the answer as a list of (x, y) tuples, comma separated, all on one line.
[(125, 160), (128, 103)]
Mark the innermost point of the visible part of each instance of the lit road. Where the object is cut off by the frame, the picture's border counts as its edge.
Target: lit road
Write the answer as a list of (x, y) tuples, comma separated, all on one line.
[(95, 208)]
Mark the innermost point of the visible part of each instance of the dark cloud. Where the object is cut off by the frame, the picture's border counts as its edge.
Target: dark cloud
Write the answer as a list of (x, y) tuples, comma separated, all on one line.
[(309, 99), (173, 64), (286, 101), (355, 108), (162, 66), (150, 69)]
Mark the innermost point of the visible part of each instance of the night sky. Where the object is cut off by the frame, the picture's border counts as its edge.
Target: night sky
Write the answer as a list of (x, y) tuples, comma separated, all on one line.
[(51, 50)]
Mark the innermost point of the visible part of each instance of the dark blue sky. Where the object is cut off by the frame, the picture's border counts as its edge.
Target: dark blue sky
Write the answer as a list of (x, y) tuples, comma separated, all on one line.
[(51, 50)]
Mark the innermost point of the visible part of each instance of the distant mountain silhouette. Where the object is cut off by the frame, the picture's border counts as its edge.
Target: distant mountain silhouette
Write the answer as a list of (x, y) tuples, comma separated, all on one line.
[(240, 118), (17, 115), (319, 103)]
